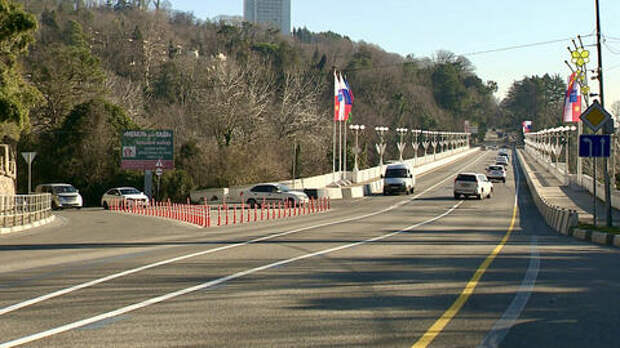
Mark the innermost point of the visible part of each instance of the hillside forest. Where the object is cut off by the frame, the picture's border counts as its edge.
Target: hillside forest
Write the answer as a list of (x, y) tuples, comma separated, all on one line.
[(240, 98)]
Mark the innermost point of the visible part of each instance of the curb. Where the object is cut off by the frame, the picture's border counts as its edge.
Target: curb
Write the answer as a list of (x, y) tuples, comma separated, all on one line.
[(602, 238), (7, 230)]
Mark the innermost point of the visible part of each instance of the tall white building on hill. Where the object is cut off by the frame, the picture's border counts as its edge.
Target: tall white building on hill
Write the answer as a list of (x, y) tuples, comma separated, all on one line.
[(271, 12)]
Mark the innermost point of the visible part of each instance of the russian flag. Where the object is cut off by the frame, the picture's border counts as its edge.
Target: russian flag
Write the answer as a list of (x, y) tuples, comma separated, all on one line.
[(527, 126), (350, 91), (348, 100)]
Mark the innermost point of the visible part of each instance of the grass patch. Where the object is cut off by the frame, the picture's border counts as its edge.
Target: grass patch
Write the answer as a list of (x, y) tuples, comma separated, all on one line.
[(599, 228)]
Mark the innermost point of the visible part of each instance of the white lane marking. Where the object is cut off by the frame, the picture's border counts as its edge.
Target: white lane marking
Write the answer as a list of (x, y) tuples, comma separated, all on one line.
[(158, 299), (68, 290), (513, 312)]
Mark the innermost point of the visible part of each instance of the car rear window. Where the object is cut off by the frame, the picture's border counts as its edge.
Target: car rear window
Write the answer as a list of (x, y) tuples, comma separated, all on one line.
[(496, 167), (466, 177)]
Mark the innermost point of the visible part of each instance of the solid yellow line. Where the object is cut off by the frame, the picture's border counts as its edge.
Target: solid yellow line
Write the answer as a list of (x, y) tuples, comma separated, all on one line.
[(447, 316)]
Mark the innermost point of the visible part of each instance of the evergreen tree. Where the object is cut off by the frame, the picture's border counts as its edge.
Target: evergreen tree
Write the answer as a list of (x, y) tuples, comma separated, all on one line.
[(17, 96)]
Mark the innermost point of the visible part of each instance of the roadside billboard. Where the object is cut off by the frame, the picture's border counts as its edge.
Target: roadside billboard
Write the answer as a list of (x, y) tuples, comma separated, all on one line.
[(147, 149)]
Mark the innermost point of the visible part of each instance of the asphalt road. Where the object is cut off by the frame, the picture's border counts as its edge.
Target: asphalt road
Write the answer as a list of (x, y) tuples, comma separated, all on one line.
[(380, 271)]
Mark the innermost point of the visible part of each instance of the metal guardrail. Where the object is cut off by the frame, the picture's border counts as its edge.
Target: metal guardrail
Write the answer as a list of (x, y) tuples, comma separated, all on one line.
[(17, 210)]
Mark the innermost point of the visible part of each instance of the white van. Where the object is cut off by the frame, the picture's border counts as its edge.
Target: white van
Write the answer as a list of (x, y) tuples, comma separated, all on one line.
[(399, 177), (63, 195)]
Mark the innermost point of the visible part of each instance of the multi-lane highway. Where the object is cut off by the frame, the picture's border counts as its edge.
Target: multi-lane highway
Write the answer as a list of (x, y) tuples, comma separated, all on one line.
[(379, 271)]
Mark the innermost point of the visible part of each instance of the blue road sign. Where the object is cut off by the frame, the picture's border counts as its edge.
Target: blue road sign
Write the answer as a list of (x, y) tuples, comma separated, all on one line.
[(594, 145)]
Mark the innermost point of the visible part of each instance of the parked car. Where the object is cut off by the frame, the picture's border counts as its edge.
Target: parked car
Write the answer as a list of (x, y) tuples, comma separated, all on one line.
[(496, 172), (270, 193), (472, 184), (399, 177), (127, 195), (63, 195)]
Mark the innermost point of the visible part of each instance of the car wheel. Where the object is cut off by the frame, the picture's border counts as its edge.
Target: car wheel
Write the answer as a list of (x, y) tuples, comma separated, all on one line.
[(105, 205), (479, 196), (252, 203), (456, 195), (504, 180), (489, 195)]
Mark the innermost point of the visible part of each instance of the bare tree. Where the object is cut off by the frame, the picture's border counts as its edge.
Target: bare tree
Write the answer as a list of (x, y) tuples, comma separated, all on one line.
[(127, 94), (299, 109), (232, 100)]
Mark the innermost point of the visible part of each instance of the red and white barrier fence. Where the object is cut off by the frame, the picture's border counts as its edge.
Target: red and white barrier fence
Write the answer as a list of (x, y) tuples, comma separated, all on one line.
[(222, 214)]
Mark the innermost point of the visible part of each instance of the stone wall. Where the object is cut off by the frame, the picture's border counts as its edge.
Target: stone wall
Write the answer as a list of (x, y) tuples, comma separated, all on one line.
[(7, 185), (8, 171)]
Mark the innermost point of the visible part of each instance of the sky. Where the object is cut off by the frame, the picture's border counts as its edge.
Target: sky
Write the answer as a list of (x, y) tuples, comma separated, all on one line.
[(464, 27)]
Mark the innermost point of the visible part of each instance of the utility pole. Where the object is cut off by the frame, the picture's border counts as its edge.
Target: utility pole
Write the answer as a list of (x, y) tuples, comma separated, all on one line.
[(608, 128)]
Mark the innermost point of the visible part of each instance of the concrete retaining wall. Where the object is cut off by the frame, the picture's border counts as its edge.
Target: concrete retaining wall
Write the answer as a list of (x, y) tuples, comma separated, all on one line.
[(561, 220)]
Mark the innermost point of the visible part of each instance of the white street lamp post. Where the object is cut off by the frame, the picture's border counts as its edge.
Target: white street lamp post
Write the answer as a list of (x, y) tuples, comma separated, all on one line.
[(381, 146), (416, 145), (356, 150), (401, 146)]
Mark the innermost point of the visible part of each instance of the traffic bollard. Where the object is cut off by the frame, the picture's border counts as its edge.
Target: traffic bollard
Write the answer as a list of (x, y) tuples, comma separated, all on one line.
[(219, 214)]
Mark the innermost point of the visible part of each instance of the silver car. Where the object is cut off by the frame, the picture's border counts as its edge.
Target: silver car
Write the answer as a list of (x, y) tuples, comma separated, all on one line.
[(63, 195), (270, 193), (496, 172), (472, 184)]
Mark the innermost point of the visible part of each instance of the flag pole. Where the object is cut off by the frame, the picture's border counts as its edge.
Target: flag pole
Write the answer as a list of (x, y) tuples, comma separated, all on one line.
[(334, 136), (340, 148), (344, 154), (334, 153)]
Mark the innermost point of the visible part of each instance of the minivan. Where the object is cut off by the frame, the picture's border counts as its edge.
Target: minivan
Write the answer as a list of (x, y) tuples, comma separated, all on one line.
[(399, 177), (63, 195)]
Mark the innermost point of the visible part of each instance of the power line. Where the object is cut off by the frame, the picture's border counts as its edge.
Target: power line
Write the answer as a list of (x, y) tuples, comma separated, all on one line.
[(534, 44)]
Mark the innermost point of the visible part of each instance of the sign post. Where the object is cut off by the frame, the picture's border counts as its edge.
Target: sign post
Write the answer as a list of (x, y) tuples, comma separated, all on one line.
[(29, 157), (596, 117), (158, 171)]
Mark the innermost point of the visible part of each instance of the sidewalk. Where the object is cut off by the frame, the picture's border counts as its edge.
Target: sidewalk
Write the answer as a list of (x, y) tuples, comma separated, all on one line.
[(569, 197)]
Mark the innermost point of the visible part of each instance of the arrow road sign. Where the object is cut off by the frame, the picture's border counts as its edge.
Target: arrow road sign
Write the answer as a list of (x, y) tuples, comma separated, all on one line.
[(594, 145)]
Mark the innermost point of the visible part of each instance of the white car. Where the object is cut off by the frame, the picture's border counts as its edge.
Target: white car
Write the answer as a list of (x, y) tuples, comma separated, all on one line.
[(472, 184), (63, 195), (123, 194), (502, 160), (496, 172), (270, 193)]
